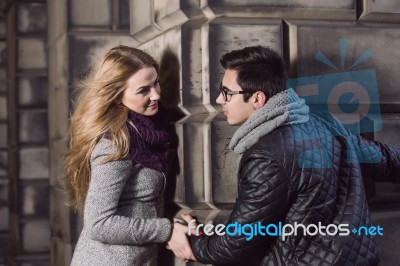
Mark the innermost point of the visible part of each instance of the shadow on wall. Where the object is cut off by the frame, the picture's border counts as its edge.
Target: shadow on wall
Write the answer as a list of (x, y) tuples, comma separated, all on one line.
[(170, 98)]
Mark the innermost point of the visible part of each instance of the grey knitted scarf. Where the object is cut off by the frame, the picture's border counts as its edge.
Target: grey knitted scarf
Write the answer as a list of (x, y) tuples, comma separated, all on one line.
[(284, 108)]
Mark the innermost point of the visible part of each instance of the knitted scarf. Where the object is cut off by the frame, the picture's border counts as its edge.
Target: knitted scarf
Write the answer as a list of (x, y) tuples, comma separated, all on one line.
[(152, 144), (284, 108)]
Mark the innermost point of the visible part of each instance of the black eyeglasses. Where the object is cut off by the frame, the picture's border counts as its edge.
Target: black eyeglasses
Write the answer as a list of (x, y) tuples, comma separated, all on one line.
[(227, 93)]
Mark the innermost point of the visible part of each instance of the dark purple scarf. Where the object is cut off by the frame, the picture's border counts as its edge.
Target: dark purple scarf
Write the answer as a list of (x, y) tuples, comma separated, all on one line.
[(152, 142)]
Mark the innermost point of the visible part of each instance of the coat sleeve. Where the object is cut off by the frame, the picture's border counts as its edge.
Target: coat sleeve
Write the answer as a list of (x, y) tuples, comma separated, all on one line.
[(101, 221), (262, 199), (379, 161)]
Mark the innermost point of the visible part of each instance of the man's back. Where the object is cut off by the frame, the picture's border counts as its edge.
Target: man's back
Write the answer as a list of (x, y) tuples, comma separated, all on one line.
[(325, 190)]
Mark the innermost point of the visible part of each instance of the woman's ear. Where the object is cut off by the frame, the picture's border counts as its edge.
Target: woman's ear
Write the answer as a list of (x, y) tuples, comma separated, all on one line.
[(259, 99)]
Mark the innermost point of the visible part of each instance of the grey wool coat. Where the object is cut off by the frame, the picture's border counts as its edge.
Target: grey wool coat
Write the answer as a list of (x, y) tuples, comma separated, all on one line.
[(121, 214)]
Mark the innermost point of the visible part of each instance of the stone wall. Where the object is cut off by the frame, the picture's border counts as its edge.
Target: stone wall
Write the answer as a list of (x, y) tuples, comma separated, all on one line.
[(45, 46)]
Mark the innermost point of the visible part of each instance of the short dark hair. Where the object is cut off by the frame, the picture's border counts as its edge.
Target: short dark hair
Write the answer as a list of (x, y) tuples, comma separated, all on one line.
[(259, 69)]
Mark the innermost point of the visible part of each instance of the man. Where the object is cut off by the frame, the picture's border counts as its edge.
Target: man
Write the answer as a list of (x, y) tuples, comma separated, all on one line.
[(294, 172)]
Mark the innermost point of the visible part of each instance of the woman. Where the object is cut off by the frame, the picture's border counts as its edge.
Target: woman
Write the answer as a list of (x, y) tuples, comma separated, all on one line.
[(119, 154)]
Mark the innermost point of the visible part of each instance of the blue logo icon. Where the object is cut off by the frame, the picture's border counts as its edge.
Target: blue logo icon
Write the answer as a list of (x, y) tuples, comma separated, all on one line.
[(349, 97)]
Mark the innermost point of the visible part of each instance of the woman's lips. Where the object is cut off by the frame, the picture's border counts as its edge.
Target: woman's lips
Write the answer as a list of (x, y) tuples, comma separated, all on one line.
[(153, 106)]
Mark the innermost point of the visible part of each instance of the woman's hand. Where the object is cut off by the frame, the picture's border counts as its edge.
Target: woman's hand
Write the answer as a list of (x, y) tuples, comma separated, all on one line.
[(179, 243)]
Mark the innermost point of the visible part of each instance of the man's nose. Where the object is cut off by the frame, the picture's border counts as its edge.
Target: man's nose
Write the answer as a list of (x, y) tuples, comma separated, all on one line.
[(220, 99)]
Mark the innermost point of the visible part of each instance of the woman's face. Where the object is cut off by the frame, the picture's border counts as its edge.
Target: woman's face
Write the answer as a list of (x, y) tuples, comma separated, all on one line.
[(143, 92)]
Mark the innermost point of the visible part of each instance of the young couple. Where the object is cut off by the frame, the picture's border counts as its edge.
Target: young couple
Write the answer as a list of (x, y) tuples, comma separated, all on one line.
[(121, 148)]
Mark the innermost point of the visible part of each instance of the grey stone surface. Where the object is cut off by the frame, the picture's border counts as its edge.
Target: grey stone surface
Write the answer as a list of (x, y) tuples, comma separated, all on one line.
[(3, 108), (3, 80), (385, 11), (32, 18), (34, 163), (3, 53), (31, 53), (315, 9), (58, 92), (85, 51), (389, 221), (150, 19), (34, 199), (2, 28), (382, 42), (231, 34), (389, 135), (3, 162), (57, 16), (90, 13), (224, 163), (62, 251), (35, 236), (123, 12), (3, 192), (32, 91), (33, 126), (3, 135), (58, 148)]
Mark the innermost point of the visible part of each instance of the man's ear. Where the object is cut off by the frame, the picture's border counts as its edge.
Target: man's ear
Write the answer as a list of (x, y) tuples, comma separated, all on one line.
[(259, 99)]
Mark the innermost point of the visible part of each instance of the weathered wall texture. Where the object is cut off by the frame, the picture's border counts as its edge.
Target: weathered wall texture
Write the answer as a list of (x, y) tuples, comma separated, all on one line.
[(44, 46)]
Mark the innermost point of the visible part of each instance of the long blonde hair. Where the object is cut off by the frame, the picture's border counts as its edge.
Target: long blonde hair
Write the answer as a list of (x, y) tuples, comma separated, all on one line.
[(99, 111)]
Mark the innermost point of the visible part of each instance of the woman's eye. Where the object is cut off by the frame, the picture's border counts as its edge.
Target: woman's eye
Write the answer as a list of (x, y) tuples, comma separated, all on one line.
[(144, 91)]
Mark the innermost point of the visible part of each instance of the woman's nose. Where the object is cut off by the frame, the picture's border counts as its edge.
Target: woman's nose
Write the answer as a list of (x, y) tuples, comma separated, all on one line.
[(155, 95)]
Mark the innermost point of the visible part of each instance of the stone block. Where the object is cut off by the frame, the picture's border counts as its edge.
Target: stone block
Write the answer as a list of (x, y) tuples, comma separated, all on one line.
[(3, 53), (3, 135), (4, 221), (32, 53), (87, 50), (224, 163), (32, 18), (61, 252), (3, 162), (363, 48), (151, 18), (3, 192), (35, 236), (382, 11), (194, 181), (34, 163), (387, 192), (57, 10), (388, 220), (34, 199), (3, 80), (90, 13), (302, 9), (58, 91), (33, 126), (32, 91), (62, 217), (57, 149), (2, 28), (3, 108), (123, 11), (226, 35)]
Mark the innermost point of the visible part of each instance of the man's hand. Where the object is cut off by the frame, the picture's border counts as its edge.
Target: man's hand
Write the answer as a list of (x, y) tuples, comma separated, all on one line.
[(179, 243)]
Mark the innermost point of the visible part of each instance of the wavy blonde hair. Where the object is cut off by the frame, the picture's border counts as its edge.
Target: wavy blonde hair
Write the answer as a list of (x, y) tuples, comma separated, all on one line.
[(98, 111)]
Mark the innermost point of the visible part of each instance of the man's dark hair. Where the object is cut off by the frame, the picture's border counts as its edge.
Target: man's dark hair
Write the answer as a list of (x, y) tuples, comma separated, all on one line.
[(259, 69)]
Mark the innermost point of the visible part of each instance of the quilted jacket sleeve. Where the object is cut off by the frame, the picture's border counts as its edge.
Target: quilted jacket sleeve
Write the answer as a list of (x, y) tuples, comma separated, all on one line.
[(262, 197), (100, 214), (380, 162)]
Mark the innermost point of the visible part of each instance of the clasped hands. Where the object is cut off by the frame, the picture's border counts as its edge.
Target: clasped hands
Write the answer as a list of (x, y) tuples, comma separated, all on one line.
[(179, 242)]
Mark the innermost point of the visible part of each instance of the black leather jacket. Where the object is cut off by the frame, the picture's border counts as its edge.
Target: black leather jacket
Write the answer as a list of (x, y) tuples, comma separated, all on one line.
[(306, 174)]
